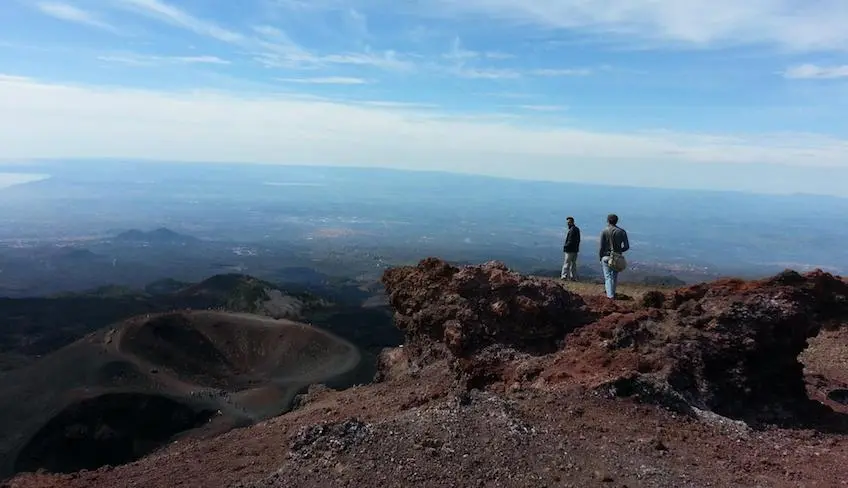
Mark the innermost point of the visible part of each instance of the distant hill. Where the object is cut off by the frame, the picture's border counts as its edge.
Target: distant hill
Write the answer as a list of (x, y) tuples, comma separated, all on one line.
[(161, 235), (662, 281), (165, 286), (249, 294)]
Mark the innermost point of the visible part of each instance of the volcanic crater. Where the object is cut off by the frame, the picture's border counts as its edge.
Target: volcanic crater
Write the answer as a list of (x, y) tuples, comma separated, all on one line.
[(121, 392)]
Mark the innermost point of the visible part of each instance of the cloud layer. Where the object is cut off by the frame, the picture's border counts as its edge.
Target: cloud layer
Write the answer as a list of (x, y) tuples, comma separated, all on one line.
[(55, 120), (71, 13), (812, 71), (787, 24), (545, 89)]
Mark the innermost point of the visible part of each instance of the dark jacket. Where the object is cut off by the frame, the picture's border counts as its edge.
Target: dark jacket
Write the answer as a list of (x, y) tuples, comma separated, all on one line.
[(619, 241), (572, 240)]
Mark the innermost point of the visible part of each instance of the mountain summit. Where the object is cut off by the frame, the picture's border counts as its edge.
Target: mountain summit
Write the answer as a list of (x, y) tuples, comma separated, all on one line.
[(517, 381)]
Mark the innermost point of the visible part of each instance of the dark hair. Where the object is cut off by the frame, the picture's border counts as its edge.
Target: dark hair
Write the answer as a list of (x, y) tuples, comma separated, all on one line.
[(569, 218), (612, 219)]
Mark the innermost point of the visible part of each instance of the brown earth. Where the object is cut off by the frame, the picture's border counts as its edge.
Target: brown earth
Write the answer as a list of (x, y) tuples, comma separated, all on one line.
[(506, 380)]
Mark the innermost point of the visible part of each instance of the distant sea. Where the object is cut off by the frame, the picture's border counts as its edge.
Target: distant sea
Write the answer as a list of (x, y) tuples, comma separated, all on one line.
[(12, 179)]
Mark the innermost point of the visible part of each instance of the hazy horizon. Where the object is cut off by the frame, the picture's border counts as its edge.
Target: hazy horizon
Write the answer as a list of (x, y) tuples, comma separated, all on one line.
[(403, 215), (13, 172)]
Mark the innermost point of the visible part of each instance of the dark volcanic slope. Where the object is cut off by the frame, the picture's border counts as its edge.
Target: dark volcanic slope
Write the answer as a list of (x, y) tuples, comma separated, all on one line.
[(39, 326), (120, 392)]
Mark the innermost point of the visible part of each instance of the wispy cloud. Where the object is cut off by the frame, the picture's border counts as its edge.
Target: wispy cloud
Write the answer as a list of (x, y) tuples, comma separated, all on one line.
[(269, 45), (386, 60), (457, 52), (292, 56), (543, 108), (310, 4), (275, 49), (813, 71), (357, 23), (179, 18), (794, 25), (464, 63), (147, 60), (485, 73), (71, 13), (14, 79), (515, 95), (327, 80), (395, 104), (562, 72), (279, 50), (498, 55)]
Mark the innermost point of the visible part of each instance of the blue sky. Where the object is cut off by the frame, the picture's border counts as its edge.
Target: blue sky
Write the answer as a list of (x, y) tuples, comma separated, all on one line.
[(682, 93)]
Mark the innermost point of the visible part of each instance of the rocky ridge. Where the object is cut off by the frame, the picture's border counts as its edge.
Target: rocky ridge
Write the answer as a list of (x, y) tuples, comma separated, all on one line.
[(510, 380), (730, 347)]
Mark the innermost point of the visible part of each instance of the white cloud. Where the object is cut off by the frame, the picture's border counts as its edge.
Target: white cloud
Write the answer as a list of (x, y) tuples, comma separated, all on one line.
[(385, 60), (562, 72), (789, 24), (285, 56), (392, 104), (498, 55), (485, 73), (460, 62), (357, 23), (307, 5), (14, 79), (172, 15), (145, 60), (271, 46), (327, 80), (279, 50), (458, 53), (544, 108), (70, 13), (516, 95), (64, 121), (812, 71)]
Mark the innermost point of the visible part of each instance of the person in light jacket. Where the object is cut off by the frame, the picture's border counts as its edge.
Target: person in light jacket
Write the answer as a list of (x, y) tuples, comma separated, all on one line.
[(614, 236)]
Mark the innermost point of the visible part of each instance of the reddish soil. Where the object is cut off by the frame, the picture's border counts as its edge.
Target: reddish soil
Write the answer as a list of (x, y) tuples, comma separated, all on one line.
[(415, 432), (512, 381)]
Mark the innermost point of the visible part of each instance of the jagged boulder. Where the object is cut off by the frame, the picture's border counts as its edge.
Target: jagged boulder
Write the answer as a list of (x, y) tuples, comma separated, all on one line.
[(730, 346), (470, 307)]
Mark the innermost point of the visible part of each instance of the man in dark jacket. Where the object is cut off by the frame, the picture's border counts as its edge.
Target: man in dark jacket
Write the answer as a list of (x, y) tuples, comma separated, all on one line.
[(571, 248)]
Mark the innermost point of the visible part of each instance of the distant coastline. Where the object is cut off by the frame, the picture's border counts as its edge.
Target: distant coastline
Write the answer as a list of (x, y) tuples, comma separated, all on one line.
[(11, 179)]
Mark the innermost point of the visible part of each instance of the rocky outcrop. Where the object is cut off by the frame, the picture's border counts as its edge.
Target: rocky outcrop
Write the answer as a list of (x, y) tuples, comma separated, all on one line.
[(468, 308), (730, 347), (737, 343)]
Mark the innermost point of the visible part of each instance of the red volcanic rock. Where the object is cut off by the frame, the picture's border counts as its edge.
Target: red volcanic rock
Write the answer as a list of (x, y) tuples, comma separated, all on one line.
[(470, 307), (730, 346), (740, 350)]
